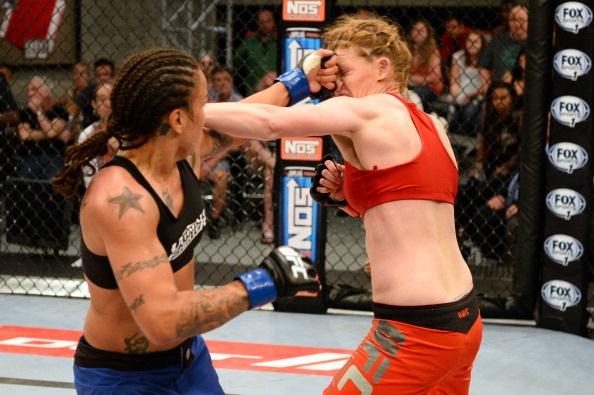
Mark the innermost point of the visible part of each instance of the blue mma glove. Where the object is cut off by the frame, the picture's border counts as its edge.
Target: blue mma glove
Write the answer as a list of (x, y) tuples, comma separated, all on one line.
[(296, 80), (284, 272)]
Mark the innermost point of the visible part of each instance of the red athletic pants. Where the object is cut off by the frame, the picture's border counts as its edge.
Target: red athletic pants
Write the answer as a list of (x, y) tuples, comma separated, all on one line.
[(402, 359)]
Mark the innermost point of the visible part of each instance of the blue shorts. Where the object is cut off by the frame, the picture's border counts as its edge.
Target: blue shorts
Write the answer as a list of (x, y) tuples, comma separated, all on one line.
[(197, 377)]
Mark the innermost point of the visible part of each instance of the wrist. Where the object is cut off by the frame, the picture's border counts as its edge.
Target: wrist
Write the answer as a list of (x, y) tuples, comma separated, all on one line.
[(296, 83), (259, 285)]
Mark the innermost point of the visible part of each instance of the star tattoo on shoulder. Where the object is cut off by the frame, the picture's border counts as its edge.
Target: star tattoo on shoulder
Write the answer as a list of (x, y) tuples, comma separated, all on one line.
[(127, 200)]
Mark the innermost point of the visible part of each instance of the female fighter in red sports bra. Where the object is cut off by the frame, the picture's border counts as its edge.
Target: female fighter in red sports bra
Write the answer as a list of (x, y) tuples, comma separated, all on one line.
[(401, 178)]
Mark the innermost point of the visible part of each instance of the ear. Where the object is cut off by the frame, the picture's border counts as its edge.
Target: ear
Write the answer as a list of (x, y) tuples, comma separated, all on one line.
[(384, 68), (174, 119)]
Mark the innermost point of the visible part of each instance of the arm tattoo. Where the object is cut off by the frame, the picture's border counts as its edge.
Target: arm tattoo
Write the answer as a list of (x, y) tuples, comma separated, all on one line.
[(136, 303), (168, 200), (127, 200), (133, 267), (211, 309), (136, 344)]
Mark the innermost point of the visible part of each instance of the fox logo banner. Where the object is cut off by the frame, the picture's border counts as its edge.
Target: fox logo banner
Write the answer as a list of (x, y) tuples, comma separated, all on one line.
[(572, 63), (572, 16), (568, 189), (570, 110)]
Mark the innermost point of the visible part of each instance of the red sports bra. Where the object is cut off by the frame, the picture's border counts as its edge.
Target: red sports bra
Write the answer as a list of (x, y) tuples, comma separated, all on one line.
[(431, 175)]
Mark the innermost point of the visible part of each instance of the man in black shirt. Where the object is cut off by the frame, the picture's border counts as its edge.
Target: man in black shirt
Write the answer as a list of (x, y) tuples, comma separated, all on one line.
[(43, 132)]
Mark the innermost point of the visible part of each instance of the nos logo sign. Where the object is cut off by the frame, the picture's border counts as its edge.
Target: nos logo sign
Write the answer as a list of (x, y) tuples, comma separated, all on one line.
[(567, 157), (565, 203), (572, 63), (560, 294), (563, 249), (304, 10), (570, 110), (572, 16)]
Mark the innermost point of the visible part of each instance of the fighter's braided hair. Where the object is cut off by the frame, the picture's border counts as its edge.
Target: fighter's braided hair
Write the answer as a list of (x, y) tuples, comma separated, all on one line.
[(149, 85)]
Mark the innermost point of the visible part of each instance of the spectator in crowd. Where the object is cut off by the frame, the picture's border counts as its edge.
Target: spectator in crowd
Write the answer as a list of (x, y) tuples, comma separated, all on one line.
[(223, 89), (104, 70), (9, 119), (497, 155), (497, 223), (260, 155), (207, 61), (452, 40), (217, 169), (518, 76), (80, 81), (502, 25), (101, 103), (511, 217), (425, 73), (43, 132), (499, 58), (466, 85), (256, 55)]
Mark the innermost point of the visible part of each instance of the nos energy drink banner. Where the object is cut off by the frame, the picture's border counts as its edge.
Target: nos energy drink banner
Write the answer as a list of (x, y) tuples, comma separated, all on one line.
[(568, 218), (300, 220)]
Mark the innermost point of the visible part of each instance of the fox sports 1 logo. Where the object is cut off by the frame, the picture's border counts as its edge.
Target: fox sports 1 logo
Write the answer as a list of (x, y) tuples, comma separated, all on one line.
[(572, 16), (563, 249), (565, 203), (560, 294), (572, 63), (567, 157), (570, 110)]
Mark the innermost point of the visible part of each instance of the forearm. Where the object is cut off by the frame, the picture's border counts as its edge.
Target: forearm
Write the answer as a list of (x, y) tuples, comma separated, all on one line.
[(276, 95), (241, 120), (31, 134), (9, 118), (204, 310)]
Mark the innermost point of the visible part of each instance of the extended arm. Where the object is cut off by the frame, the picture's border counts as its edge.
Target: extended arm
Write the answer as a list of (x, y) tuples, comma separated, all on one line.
[(340, 115), (278, 95)]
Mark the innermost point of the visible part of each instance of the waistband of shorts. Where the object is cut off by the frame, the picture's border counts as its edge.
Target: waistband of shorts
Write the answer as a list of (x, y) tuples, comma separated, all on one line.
[(458, 316), (87, 356)]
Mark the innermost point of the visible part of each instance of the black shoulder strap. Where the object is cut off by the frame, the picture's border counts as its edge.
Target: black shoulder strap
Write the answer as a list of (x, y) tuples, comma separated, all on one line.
[(136, 174)]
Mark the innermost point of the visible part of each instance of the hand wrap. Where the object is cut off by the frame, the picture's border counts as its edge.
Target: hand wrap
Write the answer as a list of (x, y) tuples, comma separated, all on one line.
[(323, 198)]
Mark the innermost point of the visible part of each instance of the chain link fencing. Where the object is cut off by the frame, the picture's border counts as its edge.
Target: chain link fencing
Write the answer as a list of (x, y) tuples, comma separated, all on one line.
[(58, 50)]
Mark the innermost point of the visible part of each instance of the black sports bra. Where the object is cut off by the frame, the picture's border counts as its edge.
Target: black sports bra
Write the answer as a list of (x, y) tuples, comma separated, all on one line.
[(179, 236)]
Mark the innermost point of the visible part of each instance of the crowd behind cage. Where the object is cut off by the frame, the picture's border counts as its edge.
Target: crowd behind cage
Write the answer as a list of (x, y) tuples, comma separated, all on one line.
[(472, 79)]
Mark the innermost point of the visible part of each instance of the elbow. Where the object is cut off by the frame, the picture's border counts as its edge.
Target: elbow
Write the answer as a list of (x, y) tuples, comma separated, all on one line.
[(158, 337), (159, 329)]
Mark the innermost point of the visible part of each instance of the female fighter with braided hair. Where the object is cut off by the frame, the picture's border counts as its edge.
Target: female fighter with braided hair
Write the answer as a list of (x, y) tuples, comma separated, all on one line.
[(141, 218), (401, 178)]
